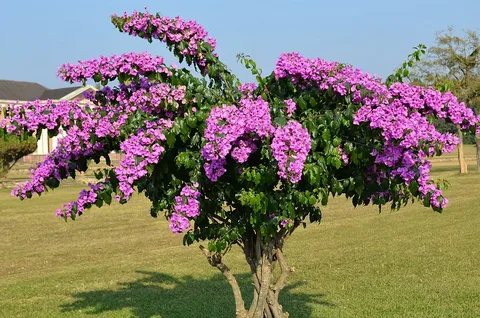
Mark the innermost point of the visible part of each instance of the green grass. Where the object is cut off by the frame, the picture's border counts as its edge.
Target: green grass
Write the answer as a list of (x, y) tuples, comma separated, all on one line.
[(119, 262)]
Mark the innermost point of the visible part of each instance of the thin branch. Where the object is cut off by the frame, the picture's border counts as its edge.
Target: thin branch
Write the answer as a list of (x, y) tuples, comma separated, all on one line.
[(215, 260), (11, 166), (213, 219), (285, 270), (219, 218), (241, 246)]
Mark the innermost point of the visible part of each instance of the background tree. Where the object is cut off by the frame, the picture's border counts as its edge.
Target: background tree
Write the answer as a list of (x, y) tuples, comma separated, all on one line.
[(239, 164), (453, 63), (12, 149)]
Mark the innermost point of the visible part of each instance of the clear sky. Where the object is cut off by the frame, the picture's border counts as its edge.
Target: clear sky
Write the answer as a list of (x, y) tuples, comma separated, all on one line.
[(374, 35)]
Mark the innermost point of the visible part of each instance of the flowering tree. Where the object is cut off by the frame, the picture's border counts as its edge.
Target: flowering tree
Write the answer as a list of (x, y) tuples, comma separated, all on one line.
[(239, 164)]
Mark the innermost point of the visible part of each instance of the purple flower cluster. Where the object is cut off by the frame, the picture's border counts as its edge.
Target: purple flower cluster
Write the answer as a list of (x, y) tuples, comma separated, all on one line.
[(109, 68), (38, 114), (342, 154), (291, 106), (168, 30), (43, 172), (79, 123), (300, 69), (329, 75), (285, 222), (153, 98), (140, 150), (230, 127), (431, 101), (291, 145), (85, 199), (247, 89), (186, 207), (401, 118), (399, 112), (242, 150)]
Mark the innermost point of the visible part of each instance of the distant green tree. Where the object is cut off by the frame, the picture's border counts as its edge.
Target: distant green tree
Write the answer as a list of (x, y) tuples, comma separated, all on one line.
[(453, 64), (13, 148)]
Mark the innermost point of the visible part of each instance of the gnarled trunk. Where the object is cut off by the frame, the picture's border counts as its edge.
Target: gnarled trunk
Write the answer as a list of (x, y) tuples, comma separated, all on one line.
[(262, 256), (461, 156)]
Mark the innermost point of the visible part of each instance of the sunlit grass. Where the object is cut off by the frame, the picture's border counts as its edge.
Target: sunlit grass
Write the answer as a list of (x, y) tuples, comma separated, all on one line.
[(119, 262)]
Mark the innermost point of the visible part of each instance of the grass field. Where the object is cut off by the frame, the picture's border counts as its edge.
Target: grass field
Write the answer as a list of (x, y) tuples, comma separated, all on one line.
[(119, 262)]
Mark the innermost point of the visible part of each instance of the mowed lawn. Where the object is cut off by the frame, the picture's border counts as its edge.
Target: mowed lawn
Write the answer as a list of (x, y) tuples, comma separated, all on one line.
[(120, 262)]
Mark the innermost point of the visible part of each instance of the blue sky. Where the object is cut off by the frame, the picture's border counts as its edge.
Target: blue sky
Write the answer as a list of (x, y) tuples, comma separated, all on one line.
[(376, 36)]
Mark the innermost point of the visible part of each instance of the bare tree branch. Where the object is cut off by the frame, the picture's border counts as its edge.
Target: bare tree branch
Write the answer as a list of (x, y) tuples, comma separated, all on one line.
[(215, 260)]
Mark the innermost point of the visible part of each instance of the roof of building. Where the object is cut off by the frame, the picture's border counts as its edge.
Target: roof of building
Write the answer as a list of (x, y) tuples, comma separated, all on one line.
[(58, 93), (15, 90), (27, 91)]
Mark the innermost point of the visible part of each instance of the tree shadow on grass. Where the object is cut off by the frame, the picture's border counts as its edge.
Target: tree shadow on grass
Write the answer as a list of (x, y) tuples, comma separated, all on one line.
[(162, 295)]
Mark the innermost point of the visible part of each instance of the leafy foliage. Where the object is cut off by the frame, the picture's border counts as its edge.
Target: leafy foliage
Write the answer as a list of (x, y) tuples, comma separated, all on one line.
[(404, 71), (13, 148), (163, 119)]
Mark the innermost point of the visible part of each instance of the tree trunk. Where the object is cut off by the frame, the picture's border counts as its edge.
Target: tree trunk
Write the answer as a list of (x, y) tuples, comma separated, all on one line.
[(3, 169), (262, 256), (477, 143), (461, 156)]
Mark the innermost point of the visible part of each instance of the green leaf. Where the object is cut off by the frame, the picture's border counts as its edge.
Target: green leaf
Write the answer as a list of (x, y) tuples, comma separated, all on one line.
[(191, 121), (301, 102), (348, 147), (97, 77), (170, 139), (336, 162), (414, 187), (426, 200), (188, 238), (107, 197), (359, 186), (280, 121), (326, 135), (98, 175), (315, 216), (212, 247), (336, 141), (325, 199), (99, 203)]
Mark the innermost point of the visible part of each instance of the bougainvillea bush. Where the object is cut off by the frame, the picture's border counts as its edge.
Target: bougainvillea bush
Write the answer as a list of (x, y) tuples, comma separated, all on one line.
[(236, 163)]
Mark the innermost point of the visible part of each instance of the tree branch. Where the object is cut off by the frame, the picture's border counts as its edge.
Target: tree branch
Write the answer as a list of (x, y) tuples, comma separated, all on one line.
[(285, 270), (215, 260), (14, 162), (219, 218)]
